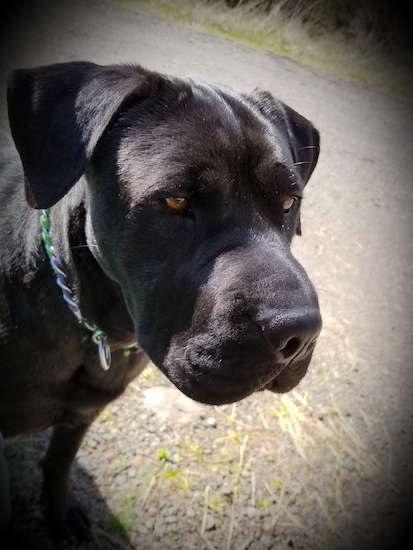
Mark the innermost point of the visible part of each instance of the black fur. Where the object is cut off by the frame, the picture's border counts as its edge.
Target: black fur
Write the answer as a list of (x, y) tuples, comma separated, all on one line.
[(212, 293)]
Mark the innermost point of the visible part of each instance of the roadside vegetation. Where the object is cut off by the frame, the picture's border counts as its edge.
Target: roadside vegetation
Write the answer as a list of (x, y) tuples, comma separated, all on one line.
[(216, 469), (365, 40)]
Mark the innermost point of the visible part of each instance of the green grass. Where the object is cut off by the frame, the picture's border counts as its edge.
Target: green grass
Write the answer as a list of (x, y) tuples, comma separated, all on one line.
[(122, 519), (117, 523), (344, 52), (289, 431), (162, 454)]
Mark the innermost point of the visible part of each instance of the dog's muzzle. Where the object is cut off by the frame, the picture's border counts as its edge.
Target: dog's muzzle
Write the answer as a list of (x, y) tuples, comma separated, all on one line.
[(273, 355)]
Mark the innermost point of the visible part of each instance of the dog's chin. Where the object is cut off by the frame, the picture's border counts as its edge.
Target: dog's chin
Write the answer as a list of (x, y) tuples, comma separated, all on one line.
[(282, 385), (210, 390), (207, 386), (290, 377)]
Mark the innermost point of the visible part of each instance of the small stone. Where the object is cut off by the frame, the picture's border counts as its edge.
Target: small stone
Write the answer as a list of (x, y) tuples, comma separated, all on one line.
[(138, 460), (170, 519), (211, 421), (226, 490), (267, 525), (251, 512), (210, 523), (142, 529), (121, 479), (153, 511), (266, 541), (190, 513)]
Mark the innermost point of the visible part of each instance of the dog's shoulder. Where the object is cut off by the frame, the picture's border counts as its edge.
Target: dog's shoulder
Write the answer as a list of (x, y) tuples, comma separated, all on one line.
[(18, 222)]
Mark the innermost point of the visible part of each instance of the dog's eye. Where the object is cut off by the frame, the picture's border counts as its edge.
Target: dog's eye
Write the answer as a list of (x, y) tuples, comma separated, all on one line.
[(288, 203), (179, 204)]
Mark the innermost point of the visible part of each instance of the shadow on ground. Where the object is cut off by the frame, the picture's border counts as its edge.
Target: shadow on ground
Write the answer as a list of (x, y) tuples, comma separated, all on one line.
[(28, 529)]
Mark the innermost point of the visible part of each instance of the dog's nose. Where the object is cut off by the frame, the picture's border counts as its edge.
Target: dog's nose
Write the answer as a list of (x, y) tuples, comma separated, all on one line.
[(291, 334)]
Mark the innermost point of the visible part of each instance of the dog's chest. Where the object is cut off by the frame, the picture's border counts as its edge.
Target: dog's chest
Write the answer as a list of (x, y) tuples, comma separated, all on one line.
[(61, 387)]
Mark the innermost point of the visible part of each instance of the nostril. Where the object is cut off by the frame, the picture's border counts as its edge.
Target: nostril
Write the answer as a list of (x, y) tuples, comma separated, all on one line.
[(291, 348), (291, 334)]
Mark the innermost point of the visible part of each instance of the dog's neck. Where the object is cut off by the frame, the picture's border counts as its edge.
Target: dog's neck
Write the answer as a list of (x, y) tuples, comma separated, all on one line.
[(99, 298)]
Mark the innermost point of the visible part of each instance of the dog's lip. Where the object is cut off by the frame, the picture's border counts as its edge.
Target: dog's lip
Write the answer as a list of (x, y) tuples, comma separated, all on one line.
[(215, 389), (204, 393), (275, 387), (289, 377)]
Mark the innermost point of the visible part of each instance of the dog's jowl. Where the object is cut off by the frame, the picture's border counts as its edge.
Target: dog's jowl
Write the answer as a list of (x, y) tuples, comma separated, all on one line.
[(145, 217)]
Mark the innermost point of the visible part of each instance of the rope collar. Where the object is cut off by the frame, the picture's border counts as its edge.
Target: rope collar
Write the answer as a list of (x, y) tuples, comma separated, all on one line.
[(98, 336)]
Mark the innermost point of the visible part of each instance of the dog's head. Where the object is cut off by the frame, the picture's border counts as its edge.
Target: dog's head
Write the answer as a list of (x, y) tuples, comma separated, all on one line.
[(194, 194)]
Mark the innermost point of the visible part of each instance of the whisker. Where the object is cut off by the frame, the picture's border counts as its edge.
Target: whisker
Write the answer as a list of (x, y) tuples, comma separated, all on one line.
[(308, 147), (175, 399), (304, 162), (292, 166), (319, 289)]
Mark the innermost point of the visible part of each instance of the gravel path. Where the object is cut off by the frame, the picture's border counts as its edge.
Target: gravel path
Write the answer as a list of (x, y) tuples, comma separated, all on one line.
[(326, 467)]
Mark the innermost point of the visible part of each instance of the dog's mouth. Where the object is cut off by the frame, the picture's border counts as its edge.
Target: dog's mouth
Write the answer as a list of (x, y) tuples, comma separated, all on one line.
[(222, 385), (289, 378)]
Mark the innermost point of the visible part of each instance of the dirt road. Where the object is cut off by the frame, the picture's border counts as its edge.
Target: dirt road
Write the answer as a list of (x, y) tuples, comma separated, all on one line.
[(341, 471)]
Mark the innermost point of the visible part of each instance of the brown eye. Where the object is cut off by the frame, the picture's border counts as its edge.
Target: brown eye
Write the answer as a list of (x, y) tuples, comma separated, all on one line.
[(179, 204), (288, 203)]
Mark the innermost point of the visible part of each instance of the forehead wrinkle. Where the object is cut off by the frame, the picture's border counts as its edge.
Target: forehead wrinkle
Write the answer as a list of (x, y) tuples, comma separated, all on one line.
[(236, 145), (246, 142), (260, 137), (144, 167), (146, 180), (214, 109)]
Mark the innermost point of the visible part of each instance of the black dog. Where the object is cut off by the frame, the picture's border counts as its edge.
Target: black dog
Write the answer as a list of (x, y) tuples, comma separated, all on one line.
[(172, 206)]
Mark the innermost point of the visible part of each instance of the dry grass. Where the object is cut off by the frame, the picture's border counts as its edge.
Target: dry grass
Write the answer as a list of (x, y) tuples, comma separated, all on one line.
[(349, 52), (301, 465), (292, 458)]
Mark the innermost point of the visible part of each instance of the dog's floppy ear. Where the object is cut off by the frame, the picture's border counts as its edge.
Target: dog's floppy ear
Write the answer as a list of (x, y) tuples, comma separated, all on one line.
[(305, 145), (305, 142), (303, 138), (57, 114)]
